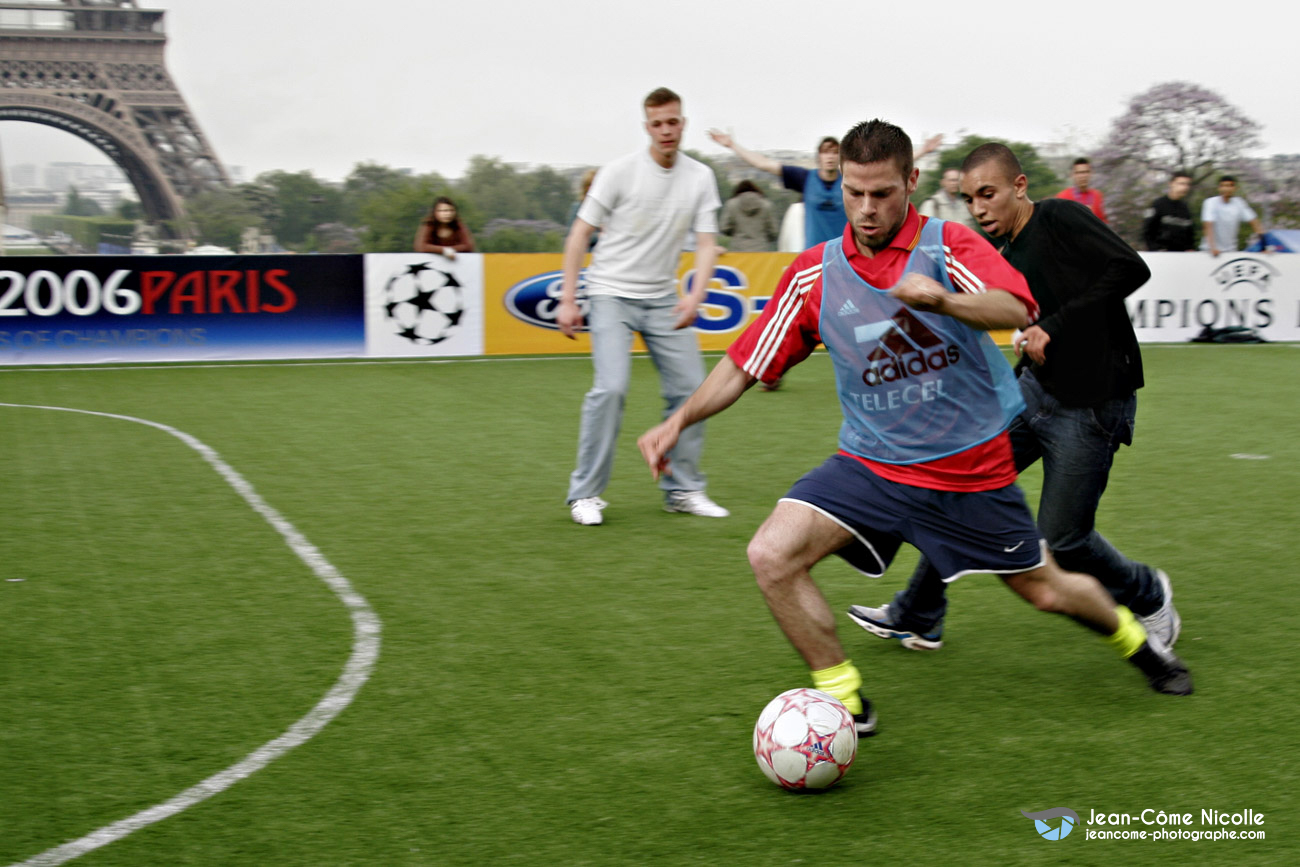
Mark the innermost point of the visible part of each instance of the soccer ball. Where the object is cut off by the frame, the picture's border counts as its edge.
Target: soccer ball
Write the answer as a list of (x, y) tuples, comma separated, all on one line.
[(423, 304), (805, 739)]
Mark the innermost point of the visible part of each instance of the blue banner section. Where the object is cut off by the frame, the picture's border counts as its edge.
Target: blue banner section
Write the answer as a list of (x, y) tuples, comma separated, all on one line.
[(180, 308)]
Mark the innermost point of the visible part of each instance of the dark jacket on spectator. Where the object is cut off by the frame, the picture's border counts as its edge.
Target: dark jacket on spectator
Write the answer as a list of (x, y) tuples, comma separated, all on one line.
[(1168, 226)]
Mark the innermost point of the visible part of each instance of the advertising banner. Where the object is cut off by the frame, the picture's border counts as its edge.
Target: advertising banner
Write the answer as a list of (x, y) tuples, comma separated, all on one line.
[(1188, 292), (88, 309), (60, 310), (421, 304), (522, 292)]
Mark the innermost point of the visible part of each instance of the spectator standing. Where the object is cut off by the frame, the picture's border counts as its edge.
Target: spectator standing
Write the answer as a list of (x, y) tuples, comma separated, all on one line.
[(1222, 216), (946, 203), (1168, 226), (1082, 190), (645, 202), (748, 219), (822, 201)]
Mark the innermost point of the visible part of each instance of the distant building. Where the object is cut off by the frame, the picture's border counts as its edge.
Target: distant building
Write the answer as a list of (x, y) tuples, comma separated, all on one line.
[(22, 177), (21, 206), (84, 176)]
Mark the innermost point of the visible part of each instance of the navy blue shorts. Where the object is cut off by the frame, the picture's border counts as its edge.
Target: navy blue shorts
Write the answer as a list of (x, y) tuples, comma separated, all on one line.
[(958, 531)]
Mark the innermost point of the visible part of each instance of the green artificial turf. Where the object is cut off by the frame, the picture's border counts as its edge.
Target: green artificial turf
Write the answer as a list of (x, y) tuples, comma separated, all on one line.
[(554, 694)]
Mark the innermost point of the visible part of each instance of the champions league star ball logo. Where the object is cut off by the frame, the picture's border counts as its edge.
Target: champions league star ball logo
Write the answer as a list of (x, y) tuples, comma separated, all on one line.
[(424, 305)]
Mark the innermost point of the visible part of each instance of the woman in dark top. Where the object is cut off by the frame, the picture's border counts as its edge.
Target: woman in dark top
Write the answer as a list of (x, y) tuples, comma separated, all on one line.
[(442, 232)]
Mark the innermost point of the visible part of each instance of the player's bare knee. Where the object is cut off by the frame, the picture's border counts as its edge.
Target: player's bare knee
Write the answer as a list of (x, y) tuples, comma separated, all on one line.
[(771, 562), (1036, 588), (761, 556), (1046, 599)]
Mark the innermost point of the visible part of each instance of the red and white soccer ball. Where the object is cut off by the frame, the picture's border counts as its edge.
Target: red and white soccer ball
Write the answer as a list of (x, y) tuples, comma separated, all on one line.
[(805, 739)]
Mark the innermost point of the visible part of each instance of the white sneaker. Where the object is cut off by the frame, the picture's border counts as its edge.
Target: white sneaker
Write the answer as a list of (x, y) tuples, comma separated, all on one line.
[(693, 503), (587, 511), (1164, 622)]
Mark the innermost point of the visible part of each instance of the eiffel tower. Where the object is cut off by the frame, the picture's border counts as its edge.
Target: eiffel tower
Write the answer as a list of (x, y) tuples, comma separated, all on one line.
[(95, 68)]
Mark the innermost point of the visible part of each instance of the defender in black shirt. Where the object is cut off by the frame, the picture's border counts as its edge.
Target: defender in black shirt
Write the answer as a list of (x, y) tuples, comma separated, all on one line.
[(1079, 371), (1083, 349)]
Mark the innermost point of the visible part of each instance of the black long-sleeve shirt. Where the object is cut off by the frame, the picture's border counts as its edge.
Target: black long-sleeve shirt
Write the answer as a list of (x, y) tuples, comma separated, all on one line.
[(1168, 226), (1080, 273)]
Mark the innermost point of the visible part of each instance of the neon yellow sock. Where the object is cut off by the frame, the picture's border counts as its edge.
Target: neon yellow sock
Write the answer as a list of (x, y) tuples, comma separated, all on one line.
[(841, 681), (1130, 635)]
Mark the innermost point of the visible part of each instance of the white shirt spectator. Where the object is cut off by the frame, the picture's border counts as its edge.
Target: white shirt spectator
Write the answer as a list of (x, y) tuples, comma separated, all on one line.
[(1227, 218), (644, 212)]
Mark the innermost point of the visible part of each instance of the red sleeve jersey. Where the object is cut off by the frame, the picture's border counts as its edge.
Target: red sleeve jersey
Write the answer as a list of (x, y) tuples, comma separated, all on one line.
[(1091, 199), (787, 332)]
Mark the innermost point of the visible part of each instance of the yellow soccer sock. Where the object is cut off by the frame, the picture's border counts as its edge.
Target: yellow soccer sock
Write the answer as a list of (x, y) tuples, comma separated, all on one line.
[(1130, 635), (841, 681)]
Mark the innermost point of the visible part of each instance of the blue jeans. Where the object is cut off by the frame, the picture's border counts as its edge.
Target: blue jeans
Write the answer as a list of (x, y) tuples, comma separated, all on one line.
[(676, 355), (1077, 446)]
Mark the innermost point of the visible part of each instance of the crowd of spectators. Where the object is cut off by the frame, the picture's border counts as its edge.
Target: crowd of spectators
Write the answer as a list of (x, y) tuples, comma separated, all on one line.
[(750, 222)]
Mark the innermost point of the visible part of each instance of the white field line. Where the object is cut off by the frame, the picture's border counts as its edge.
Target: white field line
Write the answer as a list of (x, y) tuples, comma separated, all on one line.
[(365, 650)]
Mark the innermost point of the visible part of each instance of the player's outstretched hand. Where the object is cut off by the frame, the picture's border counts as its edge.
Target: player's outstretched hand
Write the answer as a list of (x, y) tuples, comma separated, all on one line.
[(655, 445), (931, 144), (722, 138), (920, 293), (568, 317)]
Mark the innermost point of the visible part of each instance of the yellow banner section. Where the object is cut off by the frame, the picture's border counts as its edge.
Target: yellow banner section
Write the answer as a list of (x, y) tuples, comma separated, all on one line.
[(529, 284), (521, 292)]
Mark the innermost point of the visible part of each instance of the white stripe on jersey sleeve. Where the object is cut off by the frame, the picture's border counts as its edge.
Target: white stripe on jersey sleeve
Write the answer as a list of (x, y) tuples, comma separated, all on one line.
[(962, 277), (778, 326), (774, 332)]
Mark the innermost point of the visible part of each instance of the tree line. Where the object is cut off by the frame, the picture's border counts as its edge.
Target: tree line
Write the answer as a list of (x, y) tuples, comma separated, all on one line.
[(1175, 126), (377, 209)]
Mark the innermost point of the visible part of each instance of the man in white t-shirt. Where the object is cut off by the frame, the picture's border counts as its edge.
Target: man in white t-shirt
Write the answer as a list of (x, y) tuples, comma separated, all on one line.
[(643, 204), (1222, 216)]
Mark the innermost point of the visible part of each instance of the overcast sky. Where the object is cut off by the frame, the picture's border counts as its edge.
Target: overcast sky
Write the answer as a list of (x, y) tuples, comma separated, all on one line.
[(294, 85)]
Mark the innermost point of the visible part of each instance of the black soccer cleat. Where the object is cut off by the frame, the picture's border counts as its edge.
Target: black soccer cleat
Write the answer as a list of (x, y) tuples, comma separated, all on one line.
[(1165, 672), (865, 722)]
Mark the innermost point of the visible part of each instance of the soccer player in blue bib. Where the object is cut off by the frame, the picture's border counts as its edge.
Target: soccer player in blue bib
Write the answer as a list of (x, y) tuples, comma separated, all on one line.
[(902, 304)]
